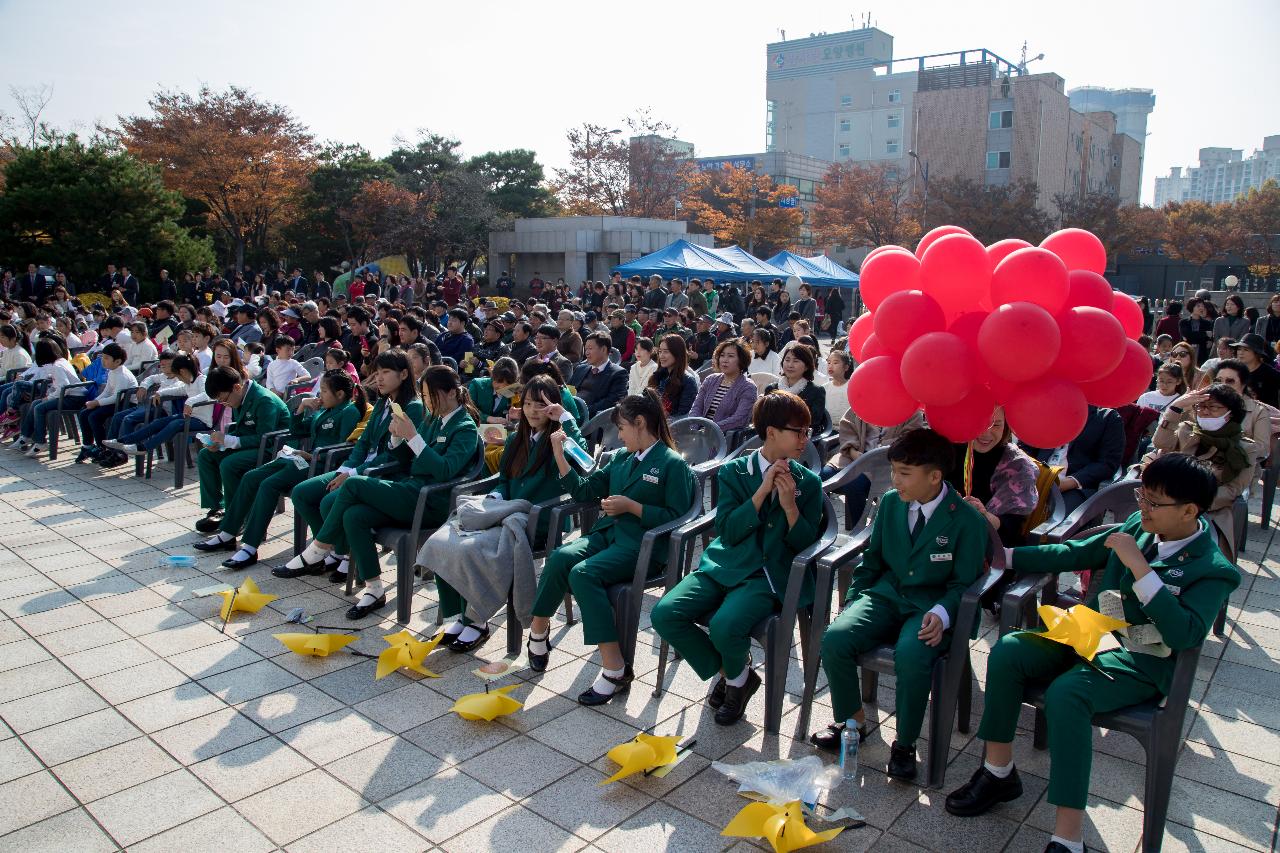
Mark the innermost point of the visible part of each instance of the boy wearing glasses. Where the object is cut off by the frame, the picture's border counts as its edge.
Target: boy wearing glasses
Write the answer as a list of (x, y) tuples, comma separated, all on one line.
[(1161, 572), (927, 546), (768, 511)]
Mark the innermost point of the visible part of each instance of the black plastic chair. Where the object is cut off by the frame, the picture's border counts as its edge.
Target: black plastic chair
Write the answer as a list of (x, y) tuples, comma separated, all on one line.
[(322, 462), (776, 632), (1156, 724)]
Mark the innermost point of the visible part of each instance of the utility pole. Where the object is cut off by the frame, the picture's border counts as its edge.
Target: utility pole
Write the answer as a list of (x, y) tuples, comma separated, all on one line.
[(924, 204)]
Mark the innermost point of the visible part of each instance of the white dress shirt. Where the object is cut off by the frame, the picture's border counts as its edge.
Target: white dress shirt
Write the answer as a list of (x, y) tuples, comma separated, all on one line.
[(913, 512)]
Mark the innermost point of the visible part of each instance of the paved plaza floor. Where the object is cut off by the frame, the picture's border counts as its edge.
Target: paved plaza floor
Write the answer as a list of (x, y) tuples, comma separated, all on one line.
[(130, 722)]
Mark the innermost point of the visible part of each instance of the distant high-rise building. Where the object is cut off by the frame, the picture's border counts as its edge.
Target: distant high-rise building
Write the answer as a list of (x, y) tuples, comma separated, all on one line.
[(969, 114), (1224, 174)]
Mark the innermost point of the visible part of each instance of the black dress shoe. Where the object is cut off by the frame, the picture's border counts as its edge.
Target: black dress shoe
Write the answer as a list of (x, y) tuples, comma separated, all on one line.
[(307, 569), (1055, 847), (233, 563), (621, 686), (983, 790), (458, 646), (538, 663), (336, 576), (359, 612), (716, 698), (210, 523), (902, 762), (736, 699), (828, 740), (229, 545)]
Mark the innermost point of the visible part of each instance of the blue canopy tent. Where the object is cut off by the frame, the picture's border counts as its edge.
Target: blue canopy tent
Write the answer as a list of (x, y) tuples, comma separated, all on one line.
[(683, 259), (842, 276), (808, 271)]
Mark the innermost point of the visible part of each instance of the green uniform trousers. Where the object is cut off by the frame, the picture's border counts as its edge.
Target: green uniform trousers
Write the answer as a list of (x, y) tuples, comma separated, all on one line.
[(255, 501), (1075, 693), (310, 500), (868, 622), (451, 601), (730, 613), (588, 566), (355, 508), (220, 473)]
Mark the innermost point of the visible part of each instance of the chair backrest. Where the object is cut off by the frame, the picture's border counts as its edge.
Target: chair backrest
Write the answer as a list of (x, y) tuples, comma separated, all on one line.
[(811, 458), (700, 441), (874, 465), (449, 362), (314, 366), (615, 355), (601, 433), (706, 370), (1116, 499), (762, 380)]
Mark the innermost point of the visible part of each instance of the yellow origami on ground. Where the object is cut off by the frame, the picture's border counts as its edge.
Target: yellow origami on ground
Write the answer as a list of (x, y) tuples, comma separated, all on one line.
[(487, 706), (1080, 627), (248, 599), (782, 826), (646, 752), (406, 652), (315, 645)]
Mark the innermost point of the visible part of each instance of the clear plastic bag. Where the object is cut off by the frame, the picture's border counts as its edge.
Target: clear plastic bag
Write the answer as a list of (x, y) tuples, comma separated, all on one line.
[(785, 780)]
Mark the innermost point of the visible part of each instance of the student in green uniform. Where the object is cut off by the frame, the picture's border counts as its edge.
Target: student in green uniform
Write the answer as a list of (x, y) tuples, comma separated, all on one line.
[(230, 455), (768, 511), (327, 419), (572, 404), (392, 381), (492, 394), (526, 471), (1163, 569), (927, 546), (442, 447), (644, 486)]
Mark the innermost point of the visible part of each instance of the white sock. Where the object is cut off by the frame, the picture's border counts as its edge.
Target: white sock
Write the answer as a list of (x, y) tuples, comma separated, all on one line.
[(313, 554), (602, 685), (246, 552), (220, 537), (998, 772), (538, 645), (740, 679), (344, 566), (372, 591), (469, 634), (1073, 846), (455, 629), (333, 559)]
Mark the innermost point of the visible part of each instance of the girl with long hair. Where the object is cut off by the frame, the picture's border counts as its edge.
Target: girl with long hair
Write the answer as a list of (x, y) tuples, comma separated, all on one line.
[(675, 383)]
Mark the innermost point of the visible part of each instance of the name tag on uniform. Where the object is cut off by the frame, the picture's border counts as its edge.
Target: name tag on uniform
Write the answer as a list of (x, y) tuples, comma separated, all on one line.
[(1174, 590), (939, 558), (440, 439), (649, 478)]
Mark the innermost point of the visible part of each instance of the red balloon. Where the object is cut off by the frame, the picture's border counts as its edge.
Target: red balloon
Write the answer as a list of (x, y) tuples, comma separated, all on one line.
[(1092, 344), (876, 393), (873, 347), (1088, 288), (888, 247), (937, 234), (1129, 315), (905, 316), (1019, 341), (937, 369), (954, 270), (1001, 389), (965, 420), (998, 251), (1124, 384), (1031, 275), (1079, 249), (886, 273), (1047, 413), (858, 334), (966, 327)]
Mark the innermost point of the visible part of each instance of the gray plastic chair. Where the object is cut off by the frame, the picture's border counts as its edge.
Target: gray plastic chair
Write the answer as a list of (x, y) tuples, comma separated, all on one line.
[(874, 465), (601, 433), (701, 443), (1156, 724), (322, 462), (775, 632), (63, 419)]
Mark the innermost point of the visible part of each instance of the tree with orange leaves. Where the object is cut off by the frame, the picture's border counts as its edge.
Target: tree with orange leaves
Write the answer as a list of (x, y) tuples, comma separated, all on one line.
[(739, 206), (244, 159), (1197, 232), (384, 218), (864, 205)]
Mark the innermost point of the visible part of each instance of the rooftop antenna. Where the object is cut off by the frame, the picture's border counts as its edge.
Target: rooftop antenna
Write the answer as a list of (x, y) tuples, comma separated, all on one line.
[(1022, 65)]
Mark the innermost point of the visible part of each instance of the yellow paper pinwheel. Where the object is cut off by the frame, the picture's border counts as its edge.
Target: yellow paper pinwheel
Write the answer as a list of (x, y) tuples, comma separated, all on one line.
[(782, 826), (404, 651), (646, 752), (248, 598), (1080, 627), (486, 706), (315, 645)]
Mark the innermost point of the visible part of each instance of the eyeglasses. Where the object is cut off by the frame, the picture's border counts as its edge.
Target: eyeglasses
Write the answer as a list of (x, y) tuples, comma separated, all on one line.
[(1143, 500), (803, 432)]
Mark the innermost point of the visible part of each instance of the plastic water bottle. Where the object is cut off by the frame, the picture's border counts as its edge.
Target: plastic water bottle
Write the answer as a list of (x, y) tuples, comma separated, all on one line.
[(849, 750)]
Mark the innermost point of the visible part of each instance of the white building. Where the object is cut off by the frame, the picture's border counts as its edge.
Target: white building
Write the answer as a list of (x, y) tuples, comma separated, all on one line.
[(1224, 174)]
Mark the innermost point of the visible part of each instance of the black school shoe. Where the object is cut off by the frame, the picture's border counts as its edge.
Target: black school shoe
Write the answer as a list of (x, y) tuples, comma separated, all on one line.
[(538, 663), (229, 545), (233, 563), (621, 686), (716, 697), (1055, 847), (983, 791), (736, 699), (358, 612), (902, 762), (828, 740), (458, 646), (112, 459), (210, 523)]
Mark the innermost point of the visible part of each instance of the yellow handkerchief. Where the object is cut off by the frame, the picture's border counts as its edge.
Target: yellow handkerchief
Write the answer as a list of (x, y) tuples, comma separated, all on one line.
[(782, 826), (1080, 627), (646, 752)]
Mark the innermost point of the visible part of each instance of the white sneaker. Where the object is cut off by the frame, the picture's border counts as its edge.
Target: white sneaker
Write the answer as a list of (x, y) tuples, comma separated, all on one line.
[(130, 449), (113, 444), (19, 442), (34, 451)]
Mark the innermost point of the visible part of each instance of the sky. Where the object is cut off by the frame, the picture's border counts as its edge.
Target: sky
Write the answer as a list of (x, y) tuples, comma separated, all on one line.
[(497, 74)]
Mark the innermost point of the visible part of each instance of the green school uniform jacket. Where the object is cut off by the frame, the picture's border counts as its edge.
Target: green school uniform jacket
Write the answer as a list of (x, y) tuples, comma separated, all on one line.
[(489, 403), (377, 437), (662, 482), (325, 427), (450, 449), (1197, 580), (259, 413), (942, 563), (747, 540), (534, 483)]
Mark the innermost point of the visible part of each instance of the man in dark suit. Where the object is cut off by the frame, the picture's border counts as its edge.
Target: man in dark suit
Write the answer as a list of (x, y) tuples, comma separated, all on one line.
[(129, 286), (110, 281), (168, 287), (298, 282), (599, 382), (33, 286), (1093, 457), (655, 297)]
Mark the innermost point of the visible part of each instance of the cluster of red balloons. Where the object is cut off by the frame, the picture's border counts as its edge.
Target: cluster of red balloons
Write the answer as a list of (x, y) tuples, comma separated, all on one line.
[(957, 328)]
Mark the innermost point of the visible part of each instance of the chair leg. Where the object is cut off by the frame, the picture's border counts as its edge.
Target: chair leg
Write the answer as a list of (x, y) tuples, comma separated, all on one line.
[(1220, 623), (663, 651), (1161, 760), (870, 681), (942, 710), (515, 631), (965, 704), (1040, 735), (568, 609), (1268, 498), (53, 429), (404, 581), (775, 680)]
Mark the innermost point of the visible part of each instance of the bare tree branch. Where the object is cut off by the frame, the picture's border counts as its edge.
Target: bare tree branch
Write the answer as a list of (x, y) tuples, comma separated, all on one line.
[(31, 101)]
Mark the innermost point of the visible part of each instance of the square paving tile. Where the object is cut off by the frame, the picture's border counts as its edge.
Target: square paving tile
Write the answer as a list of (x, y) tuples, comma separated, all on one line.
[(298, 807), (114, 769), (519, 767), (80, 736), (30, 799), (71, 830), (207, 736), (385, 768), (215, 832), (515, 830), (254, 767), (335, 735), (152, 807), (444, 805)]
